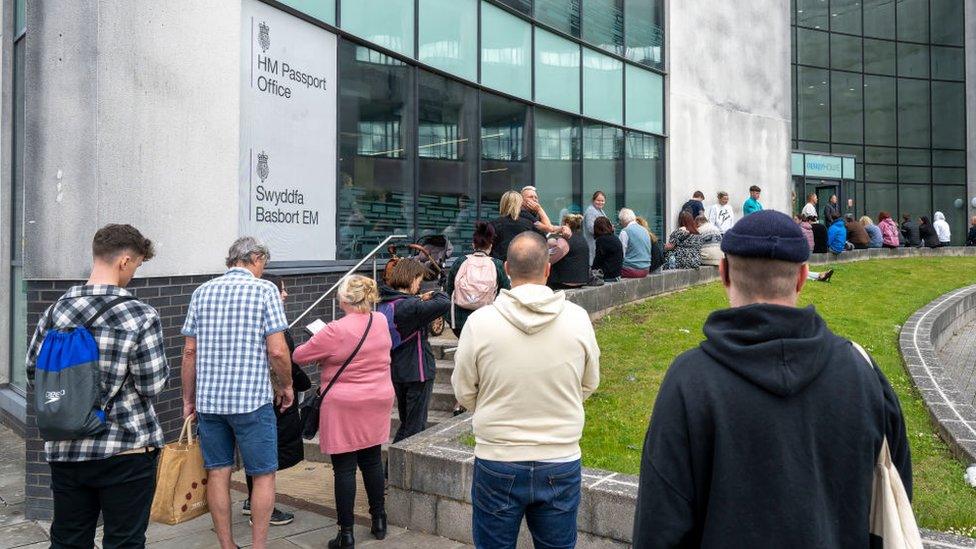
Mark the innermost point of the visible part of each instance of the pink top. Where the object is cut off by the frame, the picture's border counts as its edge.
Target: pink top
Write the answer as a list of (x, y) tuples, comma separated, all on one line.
[(356, 411), (890, 234)]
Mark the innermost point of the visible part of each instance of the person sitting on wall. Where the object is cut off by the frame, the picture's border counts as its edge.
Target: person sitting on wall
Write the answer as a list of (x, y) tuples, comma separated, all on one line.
[(875, 238), (911, 236), (508, 224), (889, 231), (820, 236), (696, 205), (804, 222), (609, 257), (636, 243), (856, 235), (837, 236), (711, 250), (942, 229), (533, 212), (657, 249), (684, 247), (927, 233), (752, 204), (572, 270), (971, 236)]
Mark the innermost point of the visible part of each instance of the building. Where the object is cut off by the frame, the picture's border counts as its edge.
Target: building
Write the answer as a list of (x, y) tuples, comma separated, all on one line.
[(323, 126)]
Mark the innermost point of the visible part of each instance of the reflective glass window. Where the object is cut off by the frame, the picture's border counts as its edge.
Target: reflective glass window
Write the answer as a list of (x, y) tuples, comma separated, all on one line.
[(845, 52), (949, 176), (812, 14), (948, 17), (951, 201), (948, 63), (845, 16), (506, 149), (914, 174), (448, 36), (913, 60), (644, 169), (375, 149), (603, 87), (323, 10), (644, 32), (645, 99), (879, 18), (880, 173), (914, 157), (880, 198), (557, 163), (880, 112), (813, 104), (563, 15), (603, 24), (603, 166), (948, 115), (879, 56), (557, 71), (506, 52), (913, 20), (447, 153), (812, 47), (948, 158), (846, 111), (913, 113), (915, 200), (386, 23), (524, 6), (881, 155)]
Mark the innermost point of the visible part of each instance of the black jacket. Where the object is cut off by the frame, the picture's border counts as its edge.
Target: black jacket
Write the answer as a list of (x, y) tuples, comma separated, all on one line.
[(928, 235), (657, 256), (413, 360), (767, 435), (830, 210), (609, 256), (694, 206), (971, 237), (820, 245), (574, 268), (506, 229), (291, 448), (910, 234)]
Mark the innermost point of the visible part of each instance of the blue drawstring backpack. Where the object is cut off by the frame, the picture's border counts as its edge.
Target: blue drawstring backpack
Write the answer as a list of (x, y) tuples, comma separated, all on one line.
[(67, 382)]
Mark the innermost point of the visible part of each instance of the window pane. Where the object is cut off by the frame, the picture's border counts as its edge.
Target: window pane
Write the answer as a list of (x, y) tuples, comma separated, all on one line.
[(505, 150), (603, 24), (557, 163), (949, 158), (18, 328), (560, 14), (879, 56), (449, 36), (813, 146), (951, 201), (913, 60), (913, 113), (911, 174), (323, 10), (386, 23), (879, 18), (846, 112), (812, 104), (603, 87), (947, 22), (880, 198), (915, 200), (375, 149), (448, 155), (812, 48), (506, 52), (524, 6), (949, 176), (644, 167), (644, 31), (879, 110), (19, 141), (948, 63), (603, 166), (949, 115), (645, 100), (845, 52), (881, 155), (913, 20), (20, 17), (557, 71), (914, 157), (879, 172), (813, 14), (845, 16)]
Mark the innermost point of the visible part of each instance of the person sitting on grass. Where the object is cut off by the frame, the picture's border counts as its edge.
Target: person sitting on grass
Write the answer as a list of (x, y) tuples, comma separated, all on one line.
[(683, 250), (636, 243), (609, 257), (890, 237), (837, 236)]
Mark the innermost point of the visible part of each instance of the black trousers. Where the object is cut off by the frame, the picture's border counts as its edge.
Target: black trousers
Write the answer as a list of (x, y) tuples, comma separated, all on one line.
[(413, 399), (120, 488), (370, 461)]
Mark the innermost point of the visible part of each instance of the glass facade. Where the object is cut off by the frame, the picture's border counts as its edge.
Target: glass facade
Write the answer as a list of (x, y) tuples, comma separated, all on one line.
[(884, 81)]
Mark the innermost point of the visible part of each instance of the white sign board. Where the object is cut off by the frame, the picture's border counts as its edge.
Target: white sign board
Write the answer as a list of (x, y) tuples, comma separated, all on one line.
[(288, 134)]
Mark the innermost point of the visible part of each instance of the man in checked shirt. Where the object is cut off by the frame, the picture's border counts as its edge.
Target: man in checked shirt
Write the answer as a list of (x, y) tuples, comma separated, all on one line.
[(114, 472)]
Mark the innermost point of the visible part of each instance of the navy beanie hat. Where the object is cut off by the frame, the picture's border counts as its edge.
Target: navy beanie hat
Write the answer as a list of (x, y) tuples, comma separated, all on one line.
[(767, 234)]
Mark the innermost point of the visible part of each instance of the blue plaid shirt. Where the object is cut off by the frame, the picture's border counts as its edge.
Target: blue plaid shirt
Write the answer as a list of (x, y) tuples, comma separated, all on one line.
[(231, 316)]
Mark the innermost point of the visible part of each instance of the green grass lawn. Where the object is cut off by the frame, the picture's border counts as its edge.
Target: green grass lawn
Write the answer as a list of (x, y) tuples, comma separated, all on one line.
[(866, 301)]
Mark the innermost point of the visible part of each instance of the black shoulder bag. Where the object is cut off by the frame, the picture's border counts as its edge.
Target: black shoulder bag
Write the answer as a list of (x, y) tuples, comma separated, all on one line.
[(311, 408)]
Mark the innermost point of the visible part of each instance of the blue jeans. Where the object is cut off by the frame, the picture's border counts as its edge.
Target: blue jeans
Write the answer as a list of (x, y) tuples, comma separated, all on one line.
[(546, 494), (255, 433)]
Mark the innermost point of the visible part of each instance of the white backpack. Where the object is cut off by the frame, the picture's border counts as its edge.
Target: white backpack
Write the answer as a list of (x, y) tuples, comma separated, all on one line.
[(476, 283)]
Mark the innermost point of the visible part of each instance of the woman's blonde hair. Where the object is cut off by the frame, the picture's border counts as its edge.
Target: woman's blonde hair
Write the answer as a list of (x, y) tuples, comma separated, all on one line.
[(573, 221), (643, 223), (865, 220), (510, 205), (359, 292)]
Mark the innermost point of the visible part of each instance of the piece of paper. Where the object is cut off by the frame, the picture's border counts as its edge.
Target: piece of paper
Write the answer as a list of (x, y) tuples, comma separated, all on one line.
[(315, 326)]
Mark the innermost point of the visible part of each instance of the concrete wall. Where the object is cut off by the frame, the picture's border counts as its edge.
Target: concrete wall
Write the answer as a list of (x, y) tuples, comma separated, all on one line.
[(729, 122), (132, 117), (971, 101)]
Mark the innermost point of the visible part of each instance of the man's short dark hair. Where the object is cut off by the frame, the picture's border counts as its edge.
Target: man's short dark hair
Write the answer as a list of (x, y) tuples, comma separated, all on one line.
[(528, 256), (699, 195), (755, 189), (114, 239), (761, 278)]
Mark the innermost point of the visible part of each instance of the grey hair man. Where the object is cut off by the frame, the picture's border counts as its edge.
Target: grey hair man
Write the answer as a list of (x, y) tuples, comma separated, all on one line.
[(528, 407), (533, 211), (234, 332)]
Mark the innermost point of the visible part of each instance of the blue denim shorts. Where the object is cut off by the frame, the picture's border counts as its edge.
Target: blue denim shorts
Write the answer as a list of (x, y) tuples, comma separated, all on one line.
[(255, 433)]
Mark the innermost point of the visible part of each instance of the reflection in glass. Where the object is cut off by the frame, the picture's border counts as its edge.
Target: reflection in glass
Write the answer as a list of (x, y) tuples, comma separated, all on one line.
[(879, 18), (603, 24), (845, 16), (812, 47), (948, 115), (505, 150), (644, 169), (603, 166), (563, 15), (913, 60), (557, 163), (506, 52), (386, 23), (879, 197), (644, 32), (812, 14), (880, 115), (913, 20), (845, 52), (879, 56), (948, 63), (948, 17), (913, 113), (813, 111), (524, 6), (603, 87), (557, 71), (846, 107), (375, 149), (448, 36), (645, 99)]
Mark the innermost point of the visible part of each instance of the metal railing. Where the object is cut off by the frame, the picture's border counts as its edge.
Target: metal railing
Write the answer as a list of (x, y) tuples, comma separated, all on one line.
[(370, 255)]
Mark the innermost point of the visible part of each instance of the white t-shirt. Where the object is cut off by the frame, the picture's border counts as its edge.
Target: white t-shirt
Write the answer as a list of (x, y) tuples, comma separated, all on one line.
[(809, 210), (721, 216)]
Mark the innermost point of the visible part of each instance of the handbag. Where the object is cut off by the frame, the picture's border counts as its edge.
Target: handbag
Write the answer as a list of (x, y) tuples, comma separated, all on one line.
[(311, 408), (181, 480), (891, 516)]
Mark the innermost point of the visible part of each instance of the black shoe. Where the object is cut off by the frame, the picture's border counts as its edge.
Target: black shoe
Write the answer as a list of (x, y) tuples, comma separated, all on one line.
[(246, 511), (343, 538), (825, 277), (458, 410), (379, 526), (278, 518)]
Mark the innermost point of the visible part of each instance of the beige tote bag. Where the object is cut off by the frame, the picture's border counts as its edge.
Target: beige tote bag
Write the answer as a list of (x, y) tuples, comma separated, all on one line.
[(892, 518), (181, 481)]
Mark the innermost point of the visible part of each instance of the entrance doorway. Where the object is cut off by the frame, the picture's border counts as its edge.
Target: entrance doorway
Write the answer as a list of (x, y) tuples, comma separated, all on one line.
[(824, 192)]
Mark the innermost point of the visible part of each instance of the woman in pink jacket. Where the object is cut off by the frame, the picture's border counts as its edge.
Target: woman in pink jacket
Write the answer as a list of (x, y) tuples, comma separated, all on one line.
[(890, 233), (355, 414)]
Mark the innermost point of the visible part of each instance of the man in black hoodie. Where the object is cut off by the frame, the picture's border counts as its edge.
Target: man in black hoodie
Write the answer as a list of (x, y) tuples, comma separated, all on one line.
[(767, 434)]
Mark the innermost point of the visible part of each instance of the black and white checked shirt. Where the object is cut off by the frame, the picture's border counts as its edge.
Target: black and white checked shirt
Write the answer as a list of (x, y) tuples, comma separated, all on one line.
[(130, 339)]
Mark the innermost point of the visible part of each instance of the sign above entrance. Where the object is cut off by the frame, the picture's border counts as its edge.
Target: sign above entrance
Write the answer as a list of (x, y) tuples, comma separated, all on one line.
[(822, 166), (288, 134)]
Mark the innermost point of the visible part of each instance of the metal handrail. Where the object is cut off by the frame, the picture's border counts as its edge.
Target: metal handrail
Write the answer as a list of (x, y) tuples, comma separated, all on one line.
[(370, 255)]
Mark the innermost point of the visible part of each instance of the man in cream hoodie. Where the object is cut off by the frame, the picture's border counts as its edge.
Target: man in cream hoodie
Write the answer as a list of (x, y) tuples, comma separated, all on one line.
[(524, 365)]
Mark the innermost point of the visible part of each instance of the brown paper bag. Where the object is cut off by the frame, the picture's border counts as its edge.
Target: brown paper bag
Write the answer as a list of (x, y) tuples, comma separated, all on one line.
[(181, 481)]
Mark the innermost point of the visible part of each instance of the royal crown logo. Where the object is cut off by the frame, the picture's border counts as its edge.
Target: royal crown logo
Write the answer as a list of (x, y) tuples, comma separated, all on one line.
[(263, 166), (264, 37)]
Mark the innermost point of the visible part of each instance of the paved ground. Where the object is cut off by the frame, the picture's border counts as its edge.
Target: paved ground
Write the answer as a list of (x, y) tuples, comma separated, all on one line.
[(959, 357), (309, 483)]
